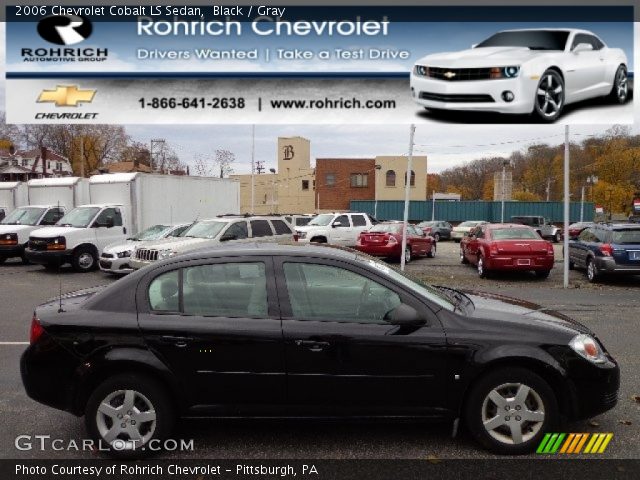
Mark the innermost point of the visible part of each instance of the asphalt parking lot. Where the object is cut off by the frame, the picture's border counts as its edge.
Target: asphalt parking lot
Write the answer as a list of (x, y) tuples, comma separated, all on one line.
[(611, 309)]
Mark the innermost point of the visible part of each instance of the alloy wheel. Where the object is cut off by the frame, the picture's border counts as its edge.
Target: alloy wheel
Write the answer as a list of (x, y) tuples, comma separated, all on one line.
[(126, 419), (407, 255), (621, 86), (513, 413), (591, 271), (550, 96), (481, 266), (85, 261)]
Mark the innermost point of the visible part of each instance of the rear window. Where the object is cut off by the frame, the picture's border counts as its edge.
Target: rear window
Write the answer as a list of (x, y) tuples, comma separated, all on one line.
[(260, 228), (281, 227), (514, 234), (358, 220), (626, 237), (387, 227)]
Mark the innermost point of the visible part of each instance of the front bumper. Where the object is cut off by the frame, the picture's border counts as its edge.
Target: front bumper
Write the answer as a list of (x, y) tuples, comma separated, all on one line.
[(541, 263), (116, 265), (137, 264), (46, 257), (10, 251), (594, 388), (475, 95), (608, 265)]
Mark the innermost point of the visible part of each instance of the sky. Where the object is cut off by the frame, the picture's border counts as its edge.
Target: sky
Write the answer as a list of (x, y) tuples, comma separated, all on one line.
[(445, 145)]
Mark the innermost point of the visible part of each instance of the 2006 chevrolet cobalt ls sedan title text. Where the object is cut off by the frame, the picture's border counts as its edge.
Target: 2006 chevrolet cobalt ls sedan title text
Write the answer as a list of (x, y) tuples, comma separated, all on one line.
[(284, 330)]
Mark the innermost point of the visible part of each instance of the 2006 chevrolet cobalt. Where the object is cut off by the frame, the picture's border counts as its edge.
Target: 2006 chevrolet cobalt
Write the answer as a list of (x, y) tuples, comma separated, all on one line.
[(283, 330)]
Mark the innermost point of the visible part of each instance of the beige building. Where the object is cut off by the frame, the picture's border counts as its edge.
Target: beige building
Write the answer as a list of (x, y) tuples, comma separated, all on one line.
[(390, 177), (290, 189)]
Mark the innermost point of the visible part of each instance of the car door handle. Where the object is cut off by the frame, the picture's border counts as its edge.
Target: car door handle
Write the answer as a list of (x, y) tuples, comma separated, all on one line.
[(312, 345), (176, 340)]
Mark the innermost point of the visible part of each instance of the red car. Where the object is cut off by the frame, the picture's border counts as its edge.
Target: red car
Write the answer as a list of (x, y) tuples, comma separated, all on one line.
[(504, 246), (385, 240)]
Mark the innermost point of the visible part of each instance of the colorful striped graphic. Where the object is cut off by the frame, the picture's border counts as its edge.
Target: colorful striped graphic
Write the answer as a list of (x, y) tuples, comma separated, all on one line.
[(573, 443)]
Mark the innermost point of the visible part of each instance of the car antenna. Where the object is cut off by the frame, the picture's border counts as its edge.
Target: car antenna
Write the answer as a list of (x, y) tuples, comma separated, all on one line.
[(60, 309)]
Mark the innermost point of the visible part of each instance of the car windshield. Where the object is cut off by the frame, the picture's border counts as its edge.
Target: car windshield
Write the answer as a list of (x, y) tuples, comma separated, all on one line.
[(79, 217), (413, 283), (152, 233), (532, 39), (514, 234), (387, 228), (322, 220), (626, 237), (23, 216), (204, 229)]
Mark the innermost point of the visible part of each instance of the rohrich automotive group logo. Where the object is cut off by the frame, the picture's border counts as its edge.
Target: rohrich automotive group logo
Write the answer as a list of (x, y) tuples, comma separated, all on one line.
[(573, 443), (65, 30)]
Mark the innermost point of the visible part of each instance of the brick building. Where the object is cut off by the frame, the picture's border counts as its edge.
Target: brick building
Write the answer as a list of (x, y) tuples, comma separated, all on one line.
[(340, 180)]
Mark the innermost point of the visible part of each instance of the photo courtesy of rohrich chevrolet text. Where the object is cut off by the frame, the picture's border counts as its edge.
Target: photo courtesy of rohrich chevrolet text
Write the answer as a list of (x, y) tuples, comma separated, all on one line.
[(334, 241)]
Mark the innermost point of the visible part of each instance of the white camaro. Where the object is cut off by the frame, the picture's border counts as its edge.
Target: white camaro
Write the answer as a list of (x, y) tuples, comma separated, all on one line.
[(535, 71)]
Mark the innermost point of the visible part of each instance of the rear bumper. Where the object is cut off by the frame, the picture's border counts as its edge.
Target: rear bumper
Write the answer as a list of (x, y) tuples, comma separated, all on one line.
[(49, 257), (519, 264), (609, 266), (381, 250)]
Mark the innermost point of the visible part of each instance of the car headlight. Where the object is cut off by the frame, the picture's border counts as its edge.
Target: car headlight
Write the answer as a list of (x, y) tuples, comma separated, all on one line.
[(511, 71), (302, 234), (166, 253), (587, 347), (125, 254), (421, 70)]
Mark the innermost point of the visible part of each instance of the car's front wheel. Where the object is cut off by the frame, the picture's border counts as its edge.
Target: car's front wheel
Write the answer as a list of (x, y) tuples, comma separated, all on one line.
[(463, 257), (548, 102), (126, 412), (620, 89), (509, 410), (557, 238), (84, 260), (407, 255), (593, 274)]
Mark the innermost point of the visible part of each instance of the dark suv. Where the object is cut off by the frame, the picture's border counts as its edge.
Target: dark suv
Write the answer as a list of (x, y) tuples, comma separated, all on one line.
[(604, 249), (437, 229)]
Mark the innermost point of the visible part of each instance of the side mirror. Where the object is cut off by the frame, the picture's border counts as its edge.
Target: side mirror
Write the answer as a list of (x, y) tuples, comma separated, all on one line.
[(228, 236), (582, 47), (405, 316), (336, 224)]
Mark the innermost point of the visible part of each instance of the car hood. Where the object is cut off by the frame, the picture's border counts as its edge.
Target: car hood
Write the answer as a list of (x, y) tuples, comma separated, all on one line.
[(121, 246), (481, 57), (14, 228), (52, 232), (501, 308), (309, 228), (179, 244)]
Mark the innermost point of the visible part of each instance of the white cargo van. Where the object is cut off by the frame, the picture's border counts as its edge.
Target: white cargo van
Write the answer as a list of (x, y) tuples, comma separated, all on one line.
[(67, 192), (12, 195), (124, 204)]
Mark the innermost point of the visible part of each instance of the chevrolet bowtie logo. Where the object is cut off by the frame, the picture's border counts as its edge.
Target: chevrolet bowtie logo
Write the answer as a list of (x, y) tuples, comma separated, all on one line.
[(66, 96), (450, 74)]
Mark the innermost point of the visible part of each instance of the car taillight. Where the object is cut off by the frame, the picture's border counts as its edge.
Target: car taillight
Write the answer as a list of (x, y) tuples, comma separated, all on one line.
[(391, 239), (550, 248), (36, 330), (606, 249)]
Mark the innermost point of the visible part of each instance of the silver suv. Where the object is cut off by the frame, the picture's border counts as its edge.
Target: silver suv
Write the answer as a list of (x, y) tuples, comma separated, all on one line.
[(541, 225), (206, 233)]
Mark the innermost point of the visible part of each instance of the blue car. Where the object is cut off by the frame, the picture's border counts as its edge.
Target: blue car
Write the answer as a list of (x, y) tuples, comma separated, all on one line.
[(607, 249)]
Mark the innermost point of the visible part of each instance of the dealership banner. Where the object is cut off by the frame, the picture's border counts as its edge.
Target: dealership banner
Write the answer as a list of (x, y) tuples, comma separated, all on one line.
[(268, 64)]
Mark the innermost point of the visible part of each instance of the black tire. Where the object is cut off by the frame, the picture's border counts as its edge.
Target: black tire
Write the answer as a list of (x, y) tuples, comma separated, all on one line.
[(543, 273), (436, 237), (572, 266), (481, 268), (540, 399), (84, 260), (407, 254), (463, 258), (151, 391), (593, 275), (2, 260), (51, 266), (548, 107), (25, 260), (557, 237), (432, 252), (620, 89), (319, 240)]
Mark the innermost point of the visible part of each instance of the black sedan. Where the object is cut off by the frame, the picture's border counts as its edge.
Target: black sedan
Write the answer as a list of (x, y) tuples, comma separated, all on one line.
[(283, 330)]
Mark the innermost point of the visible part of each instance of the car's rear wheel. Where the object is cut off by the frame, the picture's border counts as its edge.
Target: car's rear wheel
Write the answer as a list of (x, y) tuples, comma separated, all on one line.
[(509, 410), (593, 274), (407, 254), (84, 260), (482, 268), (126, 412), (557, 238), (432, 252), (620, 89), (436, 237), (549, 96), (463, 258)]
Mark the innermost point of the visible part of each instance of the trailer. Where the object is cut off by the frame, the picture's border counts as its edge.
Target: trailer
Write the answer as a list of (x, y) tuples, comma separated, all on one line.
[(12, 195), (150, 199), (67, 192)]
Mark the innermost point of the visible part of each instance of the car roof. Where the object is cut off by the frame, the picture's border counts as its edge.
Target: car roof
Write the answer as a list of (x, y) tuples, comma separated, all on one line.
[(576, 30), (508, 225), (619, 226)]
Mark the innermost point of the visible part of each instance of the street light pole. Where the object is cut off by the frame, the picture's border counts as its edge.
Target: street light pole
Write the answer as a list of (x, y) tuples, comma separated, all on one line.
[(566, 209), (407, 190), (375, 191)]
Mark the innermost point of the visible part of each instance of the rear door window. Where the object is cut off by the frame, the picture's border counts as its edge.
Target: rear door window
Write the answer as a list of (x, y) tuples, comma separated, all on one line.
[(359, 221), (344, 221), (238, 230), (281, 227), (260, 228)]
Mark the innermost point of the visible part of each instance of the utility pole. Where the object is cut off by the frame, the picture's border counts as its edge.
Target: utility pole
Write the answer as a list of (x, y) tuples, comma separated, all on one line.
[(548, 188), (566, 208), (253, 154), (407, 190)]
